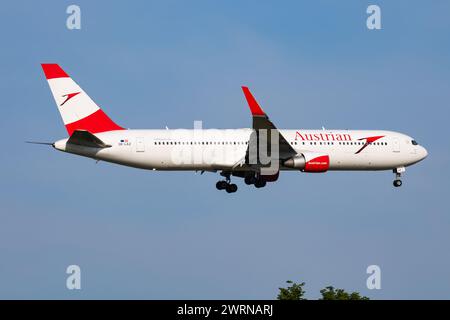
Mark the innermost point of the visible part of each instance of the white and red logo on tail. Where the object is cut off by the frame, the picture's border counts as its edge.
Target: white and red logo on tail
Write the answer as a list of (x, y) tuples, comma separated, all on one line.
[(77, 109)]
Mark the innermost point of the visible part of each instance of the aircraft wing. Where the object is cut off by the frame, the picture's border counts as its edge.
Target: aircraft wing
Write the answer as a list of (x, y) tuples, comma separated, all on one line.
[(261, 121)]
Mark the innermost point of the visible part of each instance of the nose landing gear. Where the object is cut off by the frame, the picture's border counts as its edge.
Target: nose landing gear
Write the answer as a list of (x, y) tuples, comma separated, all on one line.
[(398, 174), (397, 183)]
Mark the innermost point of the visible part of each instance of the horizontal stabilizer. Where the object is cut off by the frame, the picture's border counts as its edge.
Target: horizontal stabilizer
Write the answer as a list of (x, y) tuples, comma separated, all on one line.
[(86, 139)]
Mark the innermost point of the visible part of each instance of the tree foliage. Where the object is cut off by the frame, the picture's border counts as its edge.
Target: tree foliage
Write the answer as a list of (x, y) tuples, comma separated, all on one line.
[(330, 293), (295, 291)]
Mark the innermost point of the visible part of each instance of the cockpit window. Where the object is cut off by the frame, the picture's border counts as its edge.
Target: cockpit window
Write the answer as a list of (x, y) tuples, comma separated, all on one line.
[(414, 142)]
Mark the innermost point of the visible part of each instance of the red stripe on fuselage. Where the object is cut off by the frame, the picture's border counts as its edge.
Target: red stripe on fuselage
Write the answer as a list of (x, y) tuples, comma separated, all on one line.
[(53, 70), (94, 123)]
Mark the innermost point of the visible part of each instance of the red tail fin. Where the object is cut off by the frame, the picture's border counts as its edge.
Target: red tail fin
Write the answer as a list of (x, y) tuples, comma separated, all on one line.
[(77, 109)]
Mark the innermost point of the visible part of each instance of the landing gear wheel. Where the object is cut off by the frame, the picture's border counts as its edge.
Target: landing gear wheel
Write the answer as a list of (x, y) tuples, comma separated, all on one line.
[(221, 185), (397, 183), (260, 183), (398, 174), (249, 180), (231, 188)]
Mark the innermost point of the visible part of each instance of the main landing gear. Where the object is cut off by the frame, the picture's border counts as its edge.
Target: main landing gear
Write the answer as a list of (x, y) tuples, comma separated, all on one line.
[(398, 174), (226, 184), (249, 179), (258, 182)]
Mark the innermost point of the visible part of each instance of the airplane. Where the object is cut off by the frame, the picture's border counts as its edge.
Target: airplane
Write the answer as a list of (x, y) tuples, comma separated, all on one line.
[(256, 154)]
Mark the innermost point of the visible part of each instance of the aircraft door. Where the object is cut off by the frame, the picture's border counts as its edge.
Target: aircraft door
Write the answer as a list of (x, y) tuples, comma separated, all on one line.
[(140, 144), (395, 145)]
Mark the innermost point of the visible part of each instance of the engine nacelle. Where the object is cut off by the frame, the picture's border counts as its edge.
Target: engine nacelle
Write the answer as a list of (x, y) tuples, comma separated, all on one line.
[(297, 162), (317, 163), (309, 162)]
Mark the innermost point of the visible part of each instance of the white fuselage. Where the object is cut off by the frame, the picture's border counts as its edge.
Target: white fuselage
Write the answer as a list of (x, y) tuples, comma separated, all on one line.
[(222, 149)]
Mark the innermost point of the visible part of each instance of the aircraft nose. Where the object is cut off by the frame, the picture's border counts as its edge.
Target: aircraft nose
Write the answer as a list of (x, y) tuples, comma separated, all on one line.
[(423, 152)]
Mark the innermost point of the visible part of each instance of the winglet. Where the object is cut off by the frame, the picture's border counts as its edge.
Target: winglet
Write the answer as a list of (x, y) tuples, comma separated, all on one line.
[(254, 106)]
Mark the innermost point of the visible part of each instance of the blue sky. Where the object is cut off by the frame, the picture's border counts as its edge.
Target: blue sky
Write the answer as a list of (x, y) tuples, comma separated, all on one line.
[(151, 235)]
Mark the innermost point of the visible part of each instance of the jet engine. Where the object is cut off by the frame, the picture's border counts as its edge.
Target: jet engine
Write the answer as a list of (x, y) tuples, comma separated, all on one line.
[(309, 162)]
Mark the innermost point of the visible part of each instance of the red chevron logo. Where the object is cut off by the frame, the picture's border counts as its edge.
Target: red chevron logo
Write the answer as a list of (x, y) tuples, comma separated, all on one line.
[(68, 97), (369, 140)]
